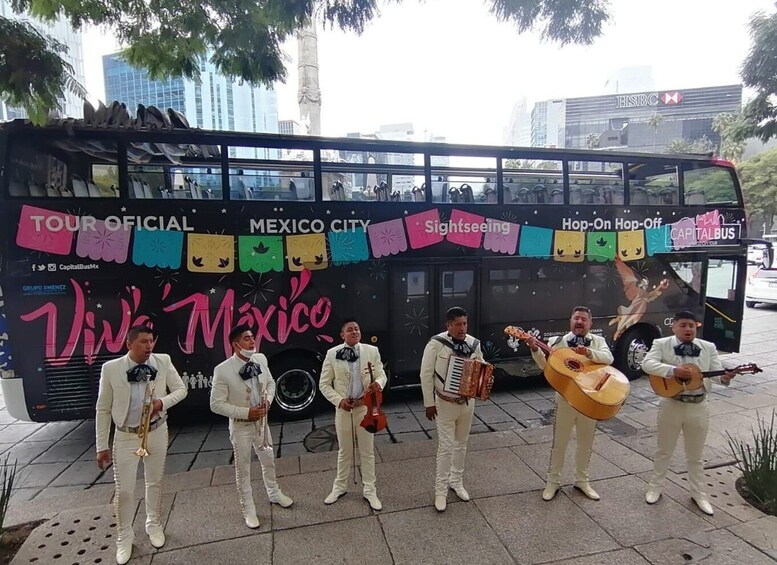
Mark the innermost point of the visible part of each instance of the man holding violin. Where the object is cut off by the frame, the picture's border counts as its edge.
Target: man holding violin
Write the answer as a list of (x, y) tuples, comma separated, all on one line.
[(345, 380), (595, 348), (688, 412)]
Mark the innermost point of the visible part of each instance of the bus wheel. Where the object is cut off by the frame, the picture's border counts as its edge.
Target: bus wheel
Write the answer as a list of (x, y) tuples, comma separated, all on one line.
[(750, 303), (296, 387), (631, 350)]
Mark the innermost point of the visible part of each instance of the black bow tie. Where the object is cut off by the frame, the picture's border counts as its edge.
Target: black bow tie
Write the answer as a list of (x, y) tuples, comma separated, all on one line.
[(141, 374), (579, 340), (461, 347), (250, 370), (347, 354), (689, 349)]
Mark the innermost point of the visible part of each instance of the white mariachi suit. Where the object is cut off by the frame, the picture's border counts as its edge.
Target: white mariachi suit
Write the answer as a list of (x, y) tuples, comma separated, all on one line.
[(454, 413), (334, 384), (231, 396), (115, 404), (675, 416), (567, 417)]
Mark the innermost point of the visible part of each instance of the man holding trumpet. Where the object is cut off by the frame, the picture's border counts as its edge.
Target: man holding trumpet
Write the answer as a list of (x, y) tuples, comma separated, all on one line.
[(243, 391), (133, 394)]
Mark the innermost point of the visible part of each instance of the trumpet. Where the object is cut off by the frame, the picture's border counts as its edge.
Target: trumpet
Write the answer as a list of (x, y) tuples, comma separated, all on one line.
[(145, 419), (265, 445)]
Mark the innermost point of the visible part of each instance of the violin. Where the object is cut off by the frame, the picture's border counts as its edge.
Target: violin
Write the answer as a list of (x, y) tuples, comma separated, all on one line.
[(374, 420)]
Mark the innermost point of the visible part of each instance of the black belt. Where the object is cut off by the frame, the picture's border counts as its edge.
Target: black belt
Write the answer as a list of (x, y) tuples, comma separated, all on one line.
[(134, 429), (692, 399)]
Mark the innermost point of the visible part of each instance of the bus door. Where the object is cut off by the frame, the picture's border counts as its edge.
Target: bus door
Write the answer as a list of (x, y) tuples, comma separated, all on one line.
[(420, 296), (725, 298)]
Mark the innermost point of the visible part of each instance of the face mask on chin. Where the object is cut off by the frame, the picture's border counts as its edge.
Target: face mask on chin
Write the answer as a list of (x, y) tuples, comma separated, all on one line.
[(247, 353)]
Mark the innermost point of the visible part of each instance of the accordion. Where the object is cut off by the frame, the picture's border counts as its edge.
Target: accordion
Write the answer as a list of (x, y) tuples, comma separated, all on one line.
[(470, 378)]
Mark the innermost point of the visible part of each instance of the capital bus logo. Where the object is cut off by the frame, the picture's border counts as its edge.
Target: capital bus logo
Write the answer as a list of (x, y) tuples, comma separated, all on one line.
[(671, 98)]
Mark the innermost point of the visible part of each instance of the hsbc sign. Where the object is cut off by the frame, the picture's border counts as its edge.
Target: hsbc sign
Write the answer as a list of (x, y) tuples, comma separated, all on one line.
[(648, 99), (636, 100)]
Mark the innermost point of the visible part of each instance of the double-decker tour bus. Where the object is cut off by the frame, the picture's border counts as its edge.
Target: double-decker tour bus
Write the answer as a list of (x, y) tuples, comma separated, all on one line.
[(104, 227)]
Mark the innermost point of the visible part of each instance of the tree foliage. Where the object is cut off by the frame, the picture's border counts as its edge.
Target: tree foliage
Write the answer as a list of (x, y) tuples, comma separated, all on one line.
[(701, 145), (759, 72), (242, 38), (731, 146), (33, 73), (758, 176)]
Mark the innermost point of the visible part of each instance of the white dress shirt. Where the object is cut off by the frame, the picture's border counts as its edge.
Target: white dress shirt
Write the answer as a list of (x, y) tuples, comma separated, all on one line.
[(137, 396), (355, 386)]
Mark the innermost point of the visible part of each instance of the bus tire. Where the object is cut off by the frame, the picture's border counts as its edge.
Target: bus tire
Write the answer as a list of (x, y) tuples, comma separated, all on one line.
[(296, 386), (750, 303), (630, 351)]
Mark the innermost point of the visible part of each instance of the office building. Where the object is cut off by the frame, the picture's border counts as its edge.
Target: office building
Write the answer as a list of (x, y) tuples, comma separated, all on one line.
[(638, 121), (216, 103), (62, 31), (518, 132), (650, 120), (547, 124), (289, 127)]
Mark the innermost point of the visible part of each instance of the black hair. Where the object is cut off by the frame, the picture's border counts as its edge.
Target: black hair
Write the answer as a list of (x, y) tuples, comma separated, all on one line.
[(585, 309), (684, 315), (135, 331), (237, 331), (455, 312), (347, 321)]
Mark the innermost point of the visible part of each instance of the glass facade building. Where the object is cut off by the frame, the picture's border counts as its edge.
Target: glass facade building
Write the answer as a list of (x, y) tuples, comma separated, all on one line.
[(215, 103)]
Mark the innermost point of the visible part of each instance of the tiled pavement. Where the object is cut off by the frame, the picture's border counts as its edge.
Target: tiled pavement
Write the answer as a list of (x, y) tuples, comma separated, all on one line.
[(505, 471)]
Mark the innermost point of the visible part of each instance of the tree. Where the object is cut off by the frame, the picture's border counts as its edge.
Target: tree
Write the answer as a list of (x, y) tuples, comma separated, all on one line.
[(653, 122), (726, 125), (242, 38), (701, 145), (758, 176), (759, 72), (592, 140)]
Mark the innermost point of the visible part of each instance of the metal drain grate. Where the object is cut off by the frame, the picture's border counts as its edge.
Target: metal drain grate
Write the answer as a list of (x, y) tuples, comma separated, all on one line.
[(321, 440), (76, 537)]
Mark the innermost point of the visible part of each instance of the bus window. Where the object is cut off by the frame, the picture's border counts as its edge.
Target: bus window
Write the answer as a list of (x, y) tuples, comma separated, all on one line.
[(264, 173), (653, 184), (704, 184), (373, 176), (533, 182), (63, 169), (594, 183), (464, 180)]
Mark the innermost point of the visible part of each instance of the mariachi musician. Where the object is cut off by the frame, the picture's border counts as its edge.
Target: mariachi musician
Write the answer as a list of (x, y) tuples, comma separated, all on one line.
[(133, 395), (344, 382), (453, 413), (595, 348), (689, 411)]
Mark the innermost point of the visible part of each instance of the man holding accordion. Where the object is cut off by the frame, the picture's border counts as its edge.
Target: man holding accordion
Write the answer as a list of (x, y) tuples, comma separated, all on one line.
[(445, 403), (243, 391), (133, 394)]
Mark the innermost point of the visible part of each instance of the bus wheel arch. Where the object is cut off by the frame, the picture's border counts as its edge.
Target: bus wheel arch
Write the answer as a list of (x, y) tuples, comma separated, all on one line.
[(296, 373), (631, 347)]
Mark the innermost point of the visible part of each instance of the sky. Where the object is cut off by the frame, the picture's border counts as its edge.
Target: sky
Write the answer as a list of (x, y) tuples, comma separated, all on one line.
[(451, 69)]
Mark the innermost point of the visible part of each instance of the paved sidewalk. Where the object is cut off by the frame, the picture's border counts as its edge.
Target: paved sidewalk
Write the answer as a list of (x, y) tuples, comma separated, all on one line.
[(506, 521)]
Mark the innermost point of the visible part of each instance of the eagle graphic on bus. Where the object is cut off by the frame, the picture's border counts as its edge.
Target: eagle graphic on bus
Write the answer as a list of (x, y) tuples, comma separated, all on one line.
[(636, 289)]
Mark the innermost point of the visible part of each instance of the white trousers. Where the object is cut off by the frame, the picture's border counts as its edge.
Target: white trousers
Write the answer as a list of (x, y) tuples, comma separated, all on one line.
[(566, 419), (453, 424), (692, 420), (347, 424), (125, 471), (244, 436)]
